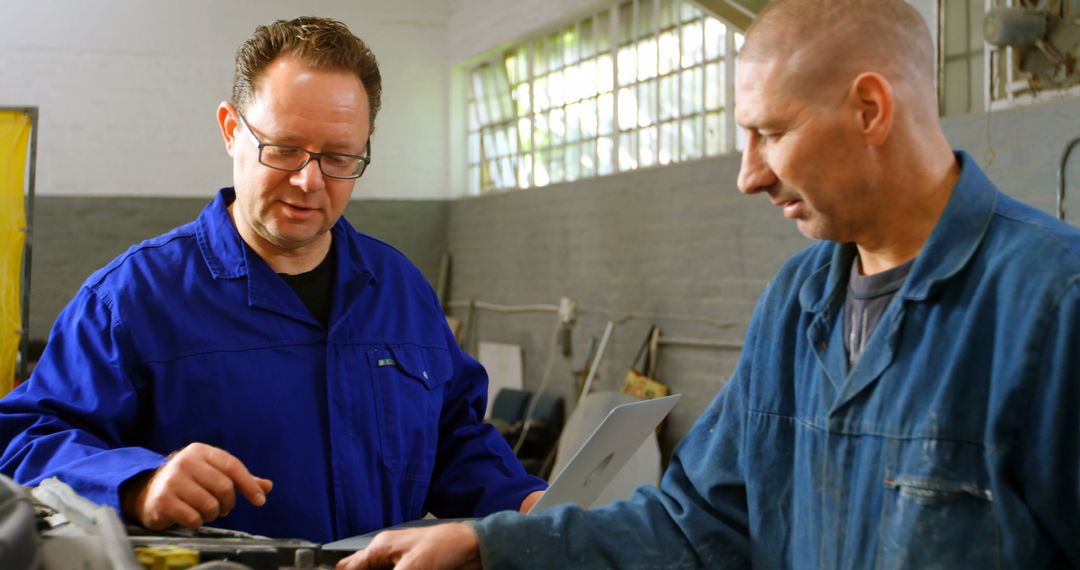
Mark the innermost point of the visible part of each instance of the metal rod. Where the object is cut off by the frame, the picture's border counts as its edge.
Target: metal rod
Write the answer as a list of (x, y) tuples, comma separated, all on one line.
[(699, 343), (1061, 178), (596, 362)]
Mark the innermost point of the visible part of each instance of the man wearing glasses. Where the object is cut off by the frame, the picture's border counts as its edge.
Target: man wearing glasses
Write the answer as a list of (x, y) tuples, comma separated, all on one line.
[(268, 344)]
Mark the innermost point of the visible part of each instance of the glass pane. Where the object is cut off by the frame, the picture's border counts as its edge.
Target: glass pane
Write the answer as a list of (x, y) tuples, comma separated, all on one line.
[(647, 103), (488, 144), (691, 91), (975, 23), (714, 38), (474, 117), (510, 63), (646, 62), (691, 44), (474, 148), (510, 135), (556, 89), (714, 134), (647, 146), (572, 87), (606, 114), (956, 88), (483, 117), (976, 83), (554, 51), (714, 86), (573, 122), (524, 167), (557, 124), (626, 22), (739, 39), (477, 78), (507, 178), (540, 171), (603, 31), (588, 118), (669, 13), (605, 74), (521, 97), (646, 18), (669, 52), (689, 11), (474, 180), (570, 45), (502, 146), (588, 43), (627, 65), (573, 162), (605, 147), (628, 151), (740, 139), (557, 167), (588, 158), (956, 21), (525, 134), (540, 101), (587, 78), (628, 109), (690, 144), (489, 178), (669, 97), (539, 57), (541, 135), (669, 139)]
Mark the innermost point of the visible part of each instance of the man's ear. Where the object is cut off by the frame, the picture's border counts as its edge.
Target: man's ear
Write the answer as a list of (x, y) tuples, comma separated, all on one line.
[(226, 118), (874, 102)]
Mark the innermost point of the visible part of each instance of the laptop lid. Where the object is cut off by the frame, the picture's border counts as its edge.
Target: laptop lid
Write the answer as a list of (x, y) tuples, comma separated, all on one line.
[(606, 451)]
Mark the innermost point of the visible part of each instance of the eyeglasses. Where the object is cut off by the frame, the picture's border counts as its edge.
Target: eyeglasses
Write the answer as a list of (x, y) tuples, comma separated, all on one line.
[(293, 158)]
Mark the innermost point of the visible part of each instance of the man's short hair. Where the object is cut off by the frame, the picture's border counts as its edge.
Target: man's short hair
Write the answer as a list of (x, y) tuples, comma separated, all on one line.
[(320, 43)]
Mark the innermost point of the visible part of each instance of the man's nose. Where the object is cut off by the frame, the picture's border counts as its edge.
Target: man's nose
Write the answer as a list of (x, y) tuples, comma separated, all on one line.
[(755, 175), (310, 177)]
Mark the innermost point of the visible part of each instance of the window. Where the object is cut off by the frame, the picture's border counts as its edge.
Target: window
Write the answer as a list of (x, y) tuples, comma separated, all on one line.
[(960, 57), (642, 84)]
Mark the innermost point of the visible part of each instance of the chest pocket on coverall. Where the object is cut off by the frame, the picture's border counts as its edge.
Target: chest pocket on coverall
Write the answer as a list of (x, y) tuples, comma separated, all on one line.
[(408, 384), (938, 508)]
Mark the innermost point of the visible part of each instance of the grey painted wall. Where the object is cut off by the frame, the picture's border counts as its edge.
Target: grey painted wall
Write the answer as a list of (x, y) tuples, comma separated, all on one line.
[(74, 236)]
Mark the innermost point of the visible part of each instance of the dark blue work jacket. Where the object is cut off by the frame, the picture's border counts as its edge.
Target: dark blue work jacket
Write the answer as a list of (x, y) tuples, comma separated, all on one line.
[(191, 337)]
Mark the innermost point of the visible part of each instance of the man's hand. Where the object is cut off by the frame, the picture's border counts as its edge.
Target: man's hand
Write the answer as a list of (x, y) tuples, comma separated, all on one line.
[(195, 486), (529, 501), (439, 547)]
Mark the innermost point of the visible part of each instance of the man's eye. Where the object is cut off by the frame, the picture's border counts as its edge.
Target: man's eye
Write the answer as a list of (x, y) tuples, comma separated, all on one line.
[(283, 152), (338, 160)]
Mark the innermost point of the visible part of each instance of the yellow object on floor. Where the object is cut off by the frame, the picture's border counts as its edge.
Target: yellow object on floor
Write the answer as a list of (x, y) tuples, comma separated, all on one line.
[(166, 557)]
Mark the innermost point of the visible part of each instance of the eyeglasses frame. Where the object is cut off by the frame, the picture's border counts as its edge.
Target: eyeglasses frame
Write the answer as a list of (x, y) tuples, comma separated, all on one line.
[(316, 156)]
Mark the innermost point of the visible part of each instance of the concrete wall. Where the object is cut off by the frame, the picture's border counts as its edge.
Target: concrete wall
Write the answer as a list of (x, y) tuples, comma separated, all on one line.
[(128, 90)]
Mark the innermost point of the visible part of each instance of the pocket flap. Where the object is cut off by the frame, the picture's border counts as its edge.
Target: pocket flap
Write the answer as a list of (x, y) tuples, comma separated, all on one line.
[(431, 366)]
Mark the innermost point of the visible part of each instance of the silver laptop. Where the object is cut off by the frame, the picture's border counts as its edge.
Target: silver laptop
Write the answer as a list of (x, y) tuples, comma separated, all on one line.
[(585, 476)]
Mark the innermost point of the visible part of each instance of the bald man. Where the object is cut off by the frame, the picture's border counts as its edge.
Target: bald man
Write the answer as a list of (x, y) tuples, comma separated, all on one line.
[(907, 395)]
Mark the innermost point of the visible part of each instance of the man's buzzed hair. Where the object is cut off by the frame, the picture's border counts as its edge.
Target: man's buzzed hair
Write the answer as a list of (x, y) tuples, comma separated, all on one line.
[(825, 40)]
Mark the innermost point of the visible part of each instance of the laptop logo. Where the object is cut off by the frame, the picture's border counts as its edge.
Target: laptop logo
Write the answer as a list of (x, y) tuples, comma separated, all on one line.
[(599, 468)]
